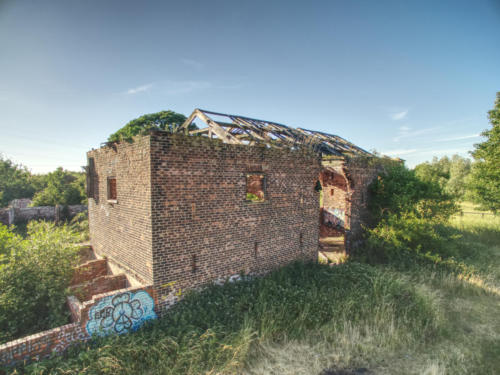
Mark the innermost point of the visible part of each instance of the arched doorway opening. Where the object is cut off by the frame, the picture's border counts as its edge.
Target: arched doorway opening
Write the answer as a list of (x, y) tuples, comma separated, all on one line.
[(334, 214)]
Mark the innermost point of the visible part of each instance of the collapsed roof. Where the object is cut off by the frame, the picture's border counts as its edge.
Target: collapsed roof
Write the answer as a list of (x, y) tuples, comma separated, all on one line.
[(237, 129)]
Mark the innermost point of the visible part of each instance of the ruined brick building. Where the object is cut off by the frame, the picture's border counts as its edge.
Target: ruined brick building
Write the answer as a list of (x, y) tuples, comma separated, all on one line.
[(169, 212), (179, 210)]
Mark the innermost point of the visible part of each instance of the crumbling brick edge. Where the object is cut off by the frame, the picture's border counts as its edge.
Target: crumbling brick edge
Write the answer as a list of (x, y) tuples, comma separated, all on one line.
[(132, 307)]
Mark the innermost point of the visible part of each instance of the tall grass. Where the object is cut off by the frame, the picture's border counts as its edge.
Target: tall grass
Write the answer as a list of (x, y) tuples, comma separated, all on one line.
[(224, 328)]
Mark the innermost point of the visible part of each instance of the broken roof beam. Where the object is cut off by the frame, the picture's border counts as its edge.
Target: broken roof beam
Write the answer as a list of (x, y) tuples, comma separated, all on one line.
[(244, 130), (214, 128)]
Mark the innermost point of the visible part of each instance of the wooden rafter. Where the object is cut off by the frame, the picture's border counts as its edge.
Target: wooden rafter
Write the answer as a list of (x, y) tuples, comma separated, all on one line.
[(245, 130)]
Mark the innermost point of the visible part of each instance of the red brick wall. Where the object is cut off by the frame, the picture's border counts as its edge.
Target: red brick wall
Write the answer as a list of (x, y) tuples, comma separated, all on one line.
[(336, 182), (202, 220), (122, 230), (41, 345), (99, 285), (360, 173), (89, 271)]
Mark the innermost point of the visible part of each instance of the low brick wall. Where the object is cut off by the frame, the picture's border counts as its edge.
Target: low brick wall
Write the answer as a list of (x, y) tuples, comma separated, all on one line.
[(89, 271), (95, 317), (12, 215), (41, 345), (99, 285)]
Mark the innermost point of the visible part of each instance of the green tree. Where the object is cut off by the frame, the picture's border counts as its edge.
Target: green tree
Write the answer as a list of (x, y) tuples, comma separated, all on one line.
[(437, 171), (450, 174), (164, 120), (460, 169), (15, 182), (485, 177), (61, 187)]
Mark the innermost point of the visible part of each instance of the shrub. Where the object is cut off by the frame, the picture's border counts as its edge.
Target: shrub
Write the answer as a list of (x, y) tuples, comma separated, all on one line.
[(80, 226), (8, 240), (409, 239), (34, 280), (409, 216), (398, 191)]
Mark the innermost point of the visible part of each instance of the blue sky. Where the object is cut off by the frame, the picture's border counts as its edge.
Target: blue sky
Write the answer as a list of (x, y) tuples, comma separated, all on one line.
[(411, 79)]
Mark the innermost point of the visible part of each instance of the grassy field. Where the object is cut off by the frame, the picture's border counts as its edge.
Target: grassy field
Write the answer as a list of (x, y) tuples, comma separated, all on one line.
[(304, 319)]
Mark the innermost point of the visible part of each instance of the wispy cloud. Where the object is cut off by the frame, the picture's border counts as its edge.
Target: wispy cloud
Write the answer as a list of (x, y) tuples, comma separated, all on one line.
[(458, 138), (399, 115), (445, 151), (399, 152), (426, 151), (138, 89), (183, 87), (195, 64), (407, 132)]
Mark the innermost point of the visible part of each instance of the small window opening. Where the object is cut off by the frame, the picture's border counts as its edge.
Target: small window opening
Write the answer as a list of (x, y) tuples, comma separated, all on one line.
[(255, 187), (301, 240), (193, 263), (256, 249), (331, 192), (112, 189)]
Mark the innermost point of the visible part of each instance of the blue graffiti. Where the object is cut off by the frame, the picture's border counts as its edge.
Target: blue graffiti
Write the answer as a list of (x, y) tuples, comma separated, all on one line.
[(334, 217), (120, 313)]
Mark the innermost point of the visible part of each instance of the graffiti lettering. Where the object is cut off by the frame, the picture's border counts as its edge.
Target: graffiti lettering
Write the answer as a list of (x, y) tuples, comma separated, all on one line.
[(120, 313), (334, 217)]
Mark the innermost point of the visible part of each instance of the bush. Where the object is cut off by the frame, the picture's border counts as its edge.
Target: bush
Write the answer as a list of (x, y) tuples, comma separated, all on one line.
[(8, 240), (34, 280), (398, 191), (409, 239), (410, 217), (80, 226)]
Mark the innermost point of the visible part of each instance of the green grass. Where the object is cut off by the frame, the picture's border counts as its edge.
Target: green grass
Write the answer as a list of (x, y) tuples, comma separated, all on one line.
[(305, 318)]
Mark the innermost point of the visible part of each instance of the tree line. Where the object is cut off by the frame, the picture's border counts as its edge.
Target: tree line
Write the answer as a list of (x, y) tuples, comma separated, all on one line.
[(57, 187), (476, 180)]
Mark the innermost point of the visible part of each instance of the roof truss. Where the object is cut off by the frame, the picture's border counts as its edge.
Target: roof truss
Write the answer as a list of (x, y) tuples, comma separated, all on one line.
[(236, 129)]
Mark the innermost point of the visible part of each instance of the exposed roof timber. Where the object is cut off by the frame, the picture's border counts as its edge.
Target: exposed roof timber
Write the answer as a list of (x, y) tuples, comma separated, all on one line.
[(245, 130)]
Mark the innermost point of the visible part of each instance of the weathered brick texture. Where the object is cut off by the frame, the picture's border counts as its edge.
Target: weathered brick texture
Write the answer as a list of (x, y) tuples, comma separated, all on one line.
[(99, 285), (203, 226), (89, 271), (41, 345), (122, 231), (182, 219)]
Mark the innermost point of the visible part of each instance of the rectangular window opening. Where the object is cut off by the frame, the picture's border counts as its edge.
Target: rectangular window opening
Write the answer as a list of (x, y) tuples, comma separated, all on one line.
[(255, 187), (112, 196)]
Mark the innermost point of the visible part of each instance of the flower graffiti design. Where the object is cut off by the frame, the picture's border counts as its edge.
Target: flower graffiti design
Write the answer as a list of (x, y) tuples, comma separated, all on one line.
[(120, 313)]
